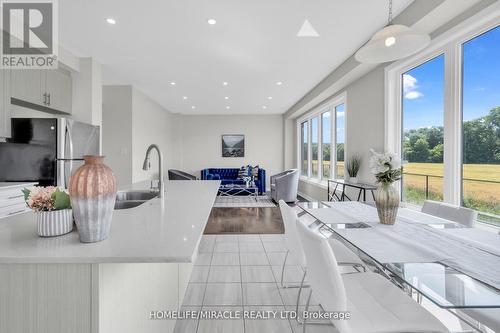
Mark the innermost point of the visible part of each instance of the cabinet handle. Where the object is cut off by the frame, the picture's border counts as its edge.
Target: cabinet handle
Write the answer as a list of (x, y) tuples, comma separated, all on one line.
[(15, 196), (49, 99), (16, 212), (44, 98)]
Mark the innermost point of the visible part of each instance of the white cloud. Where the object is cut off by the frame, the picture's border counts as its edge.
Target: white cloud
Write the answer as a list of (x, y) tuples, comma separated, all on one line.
[(410, 87), (413, 94)]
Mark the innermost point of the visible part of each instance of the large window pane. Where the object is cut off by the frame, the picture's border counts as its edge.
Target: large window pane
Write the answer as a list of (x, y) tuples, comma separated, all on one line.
[(481, 125), (304, 148), (326, 142), (423, 142), (314, 147), (340, 138)]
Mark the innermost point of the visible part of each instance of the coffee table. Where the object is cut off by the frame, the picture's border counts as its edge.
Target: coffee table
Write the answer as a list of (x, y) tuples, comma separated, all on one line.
[(232, 190)]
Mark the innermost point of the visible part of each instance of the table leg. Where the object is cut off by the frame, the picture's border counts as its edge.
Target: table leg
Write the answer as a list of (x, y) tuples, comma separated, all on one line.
[(359, 194), (364, 194), (373, 195), (343, 193), (328, 190)]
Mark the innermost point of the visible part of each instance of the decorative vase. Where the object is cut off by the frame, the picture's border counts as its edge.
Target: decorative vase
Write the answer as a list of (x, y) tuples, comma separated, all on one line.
[(54, 222), (92, 190), (387, 202), (353, 180)]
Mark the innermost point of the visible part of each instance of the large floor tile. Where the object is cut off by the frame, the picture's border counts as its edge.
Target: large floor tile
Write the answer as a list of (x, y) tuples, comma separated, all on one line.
[(274, 325), (203, 259), (279, 246), (251, 247), (199, 274), (253, 259), (206, 244), (223, 294), (225, 274), (293, 274), (256, 274), (194, 294), (187, 325), (289, 296), (225, 259), (221, 325), (227, 238), (272, 238), (277, 258), (226, 247), (261, 294), (249, 238)]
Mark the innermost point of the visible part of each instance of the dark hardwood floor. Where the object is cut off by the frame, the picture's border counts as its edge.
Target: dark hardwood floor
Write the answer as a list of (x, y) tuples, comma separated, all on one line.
[(248, 220)]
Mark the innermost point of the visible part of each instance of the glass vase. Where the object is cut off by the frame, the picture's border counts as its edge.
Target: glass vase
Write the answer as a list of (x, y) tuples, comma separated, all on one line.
[(387, 202)]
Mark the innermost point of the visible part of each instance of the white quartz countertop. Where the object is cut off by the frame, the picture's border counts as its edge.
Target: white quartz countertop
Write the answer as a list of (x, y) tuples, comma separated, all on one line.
[(158, 231), (13, 184)]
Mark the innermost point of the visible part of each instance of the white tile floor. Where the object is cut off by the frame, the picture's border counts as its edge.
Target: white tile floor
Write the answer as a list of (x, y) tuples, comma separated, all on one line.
[(242, 272)]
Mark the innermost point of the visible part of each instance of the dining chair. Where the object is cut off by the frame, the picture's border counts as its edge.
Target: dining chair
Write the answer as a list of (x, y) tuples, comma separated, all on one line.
[(462, 215), (372, 302)]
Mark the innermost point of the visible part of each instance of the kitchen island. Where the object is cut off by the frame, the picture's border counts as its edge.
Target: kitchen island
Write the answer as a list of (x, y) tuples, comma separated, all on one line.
[(61, 285)]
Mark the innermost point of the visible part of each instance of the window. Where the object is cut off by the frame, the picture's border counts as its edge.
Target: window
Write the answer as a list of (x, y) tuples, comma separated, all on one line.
[(423, 142), (326, 129), (304, 149), (481, 125), (443, 117), (326, 143), (314, 147), (340, 139)]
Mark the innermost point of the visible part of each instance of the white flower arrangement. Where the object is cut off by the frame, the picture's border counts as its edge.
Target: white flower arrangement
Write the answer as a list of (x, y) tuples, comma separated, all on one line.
[(386, 167)]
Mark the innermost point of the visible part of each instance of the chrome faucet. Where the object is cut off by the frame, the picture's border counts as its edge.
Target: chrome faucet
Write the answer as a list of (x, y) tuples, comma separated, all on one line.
[(147, 165)]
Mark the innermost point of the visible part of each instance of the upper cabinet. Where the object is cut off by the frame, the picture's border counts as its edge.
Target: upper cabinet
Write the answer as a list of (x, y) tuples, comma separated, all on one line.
[(5, 103), (42, 89)]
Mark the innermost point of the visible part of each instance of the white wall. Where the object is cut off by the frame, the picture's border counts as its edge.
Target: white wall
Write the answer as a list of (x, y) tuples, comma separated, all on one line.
[(201, 142), (131, 122)]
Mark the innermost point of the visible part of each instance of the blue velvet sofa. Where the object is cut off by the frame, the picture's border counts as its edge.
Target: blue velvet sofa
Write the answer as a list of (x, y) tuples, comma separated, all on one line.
[(230, 176)]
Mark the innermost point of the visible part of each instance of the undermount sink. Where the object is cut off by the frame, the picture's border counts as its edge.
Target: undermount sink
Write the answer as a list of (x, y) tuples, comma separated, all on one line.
[(131, 199)]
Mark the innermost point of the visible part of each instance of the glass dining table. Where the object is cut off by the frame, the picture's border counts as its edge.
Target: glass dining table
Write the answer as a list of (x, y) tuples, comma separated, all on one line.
[(417, 254)]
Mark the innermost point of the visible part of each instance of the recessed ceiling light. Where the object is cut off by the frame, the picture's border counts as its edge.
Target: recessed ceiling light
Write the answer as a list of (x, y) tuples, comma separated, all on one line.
[(211, 21), (225, 83), (227, 107), (270, 97), (184, 97), (279, 83), (226, 97), (193, 107), (264, 107), (110, 20), (172, 83)]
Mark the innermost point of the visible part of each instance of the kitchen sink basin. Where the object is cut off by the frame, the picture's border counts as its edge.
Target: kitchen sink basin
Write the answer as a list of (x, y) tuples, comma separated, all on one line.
[(131, 199)]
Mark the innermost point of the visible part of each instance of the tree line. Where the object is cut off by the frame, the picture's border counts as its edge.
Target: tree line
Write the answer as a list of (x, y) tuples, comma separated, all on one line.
[(481, 140)]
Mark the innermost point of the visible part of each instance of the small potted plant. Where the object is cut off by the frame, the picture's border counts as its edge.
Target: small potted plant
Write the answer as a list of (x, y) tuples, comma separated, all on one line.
[(353, 165), (52, 207)]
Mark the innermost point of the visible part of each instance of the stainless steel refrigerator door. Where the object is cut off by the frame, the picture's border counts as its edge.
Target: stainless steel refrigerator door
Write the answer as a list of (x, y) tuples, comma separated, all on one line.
[(75, 139)]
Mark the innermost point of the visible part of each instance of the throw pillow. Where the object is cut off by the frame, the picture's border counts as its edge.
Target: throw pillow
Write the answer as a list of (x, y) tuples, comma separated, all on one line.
[(255, 172), (243, 172)]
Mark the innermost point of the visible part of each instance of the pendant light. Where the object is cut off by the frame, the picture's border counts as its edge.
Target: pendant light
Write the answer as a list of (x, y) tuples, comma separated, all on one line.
[(393, 42)]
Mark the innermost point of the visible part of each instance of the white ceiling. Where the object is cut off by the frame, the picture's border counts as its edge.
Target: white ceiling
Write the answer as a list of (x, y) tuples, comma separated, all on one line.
[(252, 46)]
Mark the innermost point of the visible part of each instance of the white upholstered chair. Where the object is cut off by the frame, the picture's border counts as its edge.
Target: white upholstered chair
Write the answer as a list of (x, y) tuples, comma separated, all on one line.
[(462, 215), (374, 303)]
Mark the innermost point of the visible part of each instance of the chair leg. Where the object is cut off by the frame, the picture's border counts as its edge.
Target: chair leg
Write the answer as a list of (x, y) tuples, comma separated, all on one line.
[(282, 283), (306, 309), (298, 297)]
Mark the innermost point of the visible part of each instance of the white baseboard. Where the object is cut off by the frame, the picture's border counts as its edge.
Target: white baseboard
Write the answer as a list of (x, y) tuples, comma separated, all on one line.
[(305, 196)]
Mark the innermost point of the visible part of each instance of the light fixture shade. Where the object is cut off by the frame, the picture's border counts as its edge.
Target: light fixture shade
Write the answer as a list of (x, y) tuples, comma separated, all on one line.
[(392, 43)]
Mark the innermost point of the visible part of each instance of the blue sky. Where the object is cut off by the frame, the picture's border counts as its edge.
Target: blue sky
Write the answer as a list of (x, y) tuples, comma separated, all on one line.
[(424, 85)]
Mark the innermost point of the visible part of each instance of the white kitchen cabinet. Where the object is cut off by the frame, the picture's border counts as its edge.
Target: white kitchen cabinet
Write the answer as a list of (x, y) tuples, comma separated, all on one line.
[(5, 103), (58, 87), (12, 199), (42, 89)]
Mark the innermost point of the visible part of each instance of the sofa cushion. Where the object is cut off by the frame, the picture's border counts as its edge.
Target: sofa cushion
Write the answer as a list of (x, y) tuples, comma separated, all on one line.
[(255, 172)]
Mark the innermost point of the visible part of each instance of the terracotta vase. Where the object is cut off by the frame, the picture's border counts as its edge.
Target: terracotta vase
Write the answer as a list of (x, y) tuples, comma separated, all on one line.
[(92, 190)]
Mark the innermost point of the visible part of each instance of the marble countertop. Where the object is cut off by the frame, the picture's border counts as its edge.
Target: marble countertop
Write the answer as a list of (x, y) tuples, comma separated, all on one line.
[(158, 231), (5, 185)]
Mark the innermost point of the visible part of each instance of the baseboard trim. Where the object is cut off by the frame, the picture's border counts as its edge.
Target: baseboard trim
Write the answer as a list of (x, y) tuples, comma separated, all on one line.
[(305, 196)]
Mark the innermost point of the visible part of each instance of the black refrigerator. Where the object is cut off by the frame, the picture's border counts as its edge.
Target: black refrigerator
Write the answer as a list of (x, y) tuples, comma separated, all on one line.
[(46, 150)]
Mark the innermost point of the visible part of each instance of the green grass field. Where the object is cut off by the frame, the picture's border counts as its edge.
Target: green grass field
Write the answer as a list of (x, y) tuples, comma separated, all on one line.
[(478, 193)]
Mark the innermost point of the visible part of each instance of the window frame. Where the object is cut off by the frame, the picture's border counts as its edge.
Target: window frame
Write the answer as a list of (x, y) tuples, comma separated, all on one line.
[(318, 111), (450, 44)]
